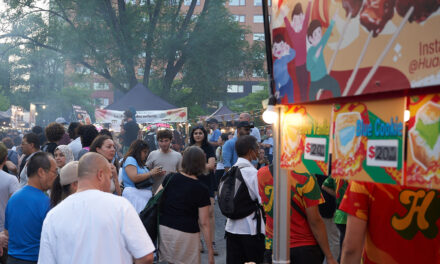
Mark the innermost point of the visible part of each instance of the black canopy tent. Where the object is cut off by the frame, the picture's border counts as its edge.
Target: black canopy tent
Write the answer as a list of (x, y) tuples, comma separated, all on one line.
[(224, 114), (141, 99)]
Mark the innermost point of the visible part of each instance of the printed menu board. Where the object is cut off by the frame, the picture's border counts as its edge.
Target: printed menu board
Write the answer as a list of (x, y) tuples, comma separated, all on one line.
[(367, 140), (423, 156), (305, 138)]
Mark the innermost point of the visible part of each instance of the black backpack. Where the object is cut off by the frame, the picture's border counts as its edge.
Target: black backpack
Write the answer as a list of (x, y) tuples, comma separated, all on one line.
[(234, 199)]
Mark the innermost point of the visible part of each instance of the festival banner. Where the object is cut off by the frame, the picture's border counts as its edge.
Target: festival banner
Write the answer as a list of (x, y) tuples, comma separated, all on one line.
[(423, 155), (305, 138), (81, 115), (367, 140), (320, 47), (157, 116)]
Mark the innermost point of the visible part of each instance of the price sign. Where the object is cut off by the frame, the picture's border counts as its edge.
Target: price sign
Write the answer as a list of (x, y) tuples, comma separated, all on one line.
[(315, 148), (382, 153)]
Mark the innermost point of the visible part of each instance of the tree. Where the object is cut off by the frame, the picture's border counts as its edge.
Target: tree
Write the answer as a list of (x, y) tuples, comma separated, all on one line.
[(165, 38), (36, 75), (250, 102)]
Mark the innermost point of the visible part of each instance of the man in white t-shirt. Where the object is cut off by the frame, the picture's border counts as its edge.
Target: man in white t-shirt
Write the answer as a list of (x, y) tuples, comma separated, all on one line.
[(164, 157), (92, 225), (244, 241)]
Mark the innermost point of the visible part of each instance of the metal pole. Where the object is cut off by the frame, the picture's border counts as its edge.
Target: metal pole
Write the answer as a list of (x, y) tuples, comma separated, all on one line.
[(268, 45), (281, 205)]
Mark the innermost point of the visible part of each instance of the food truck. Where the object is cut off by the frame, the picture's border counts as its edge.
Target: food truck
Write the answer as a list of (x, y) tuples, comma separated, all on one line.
[(356, 92)]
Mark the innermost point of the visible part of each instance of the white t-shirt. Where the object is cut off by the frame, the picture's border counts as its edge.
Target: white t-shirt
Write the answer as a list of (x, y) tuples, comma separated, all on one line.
[(76, 147), (247, 225), (255, 132), (23, 173), (170, 162), (270, 142), (218, 156), (93, 227), (8, 185)]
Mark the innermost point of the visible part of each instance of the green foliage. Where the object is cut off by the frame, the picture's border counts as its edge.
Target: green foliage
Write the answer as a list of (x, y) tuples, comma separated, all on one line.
[(4, 102), (215, 54), (250, 102), (169, 40)]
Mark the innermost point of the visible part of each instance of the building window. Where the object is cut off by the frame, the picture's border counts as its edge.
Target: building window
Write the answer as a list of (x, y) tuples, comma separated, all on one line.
[(239, 18), (102, 102), (82, 85), (258, 18), (234, 88), (140, 71), (237, 2), (256, 74), (82, 70), (257, 88), (258, 36), (188, 2), (260, 2), (100, 86)]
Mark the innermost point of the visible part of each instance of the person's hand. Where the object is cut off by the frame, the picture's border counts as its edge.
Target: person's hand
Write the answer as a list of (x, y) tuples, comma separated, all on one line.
[(284, 11), (114, 173), (335, 14), (157, 171), (3, 240), (331, 261), (11, 166)]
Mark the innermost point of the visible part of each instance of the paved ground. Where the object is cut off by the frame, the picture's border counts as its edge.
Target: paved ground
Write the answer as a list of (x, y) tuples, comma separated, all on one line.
[(220, 241)]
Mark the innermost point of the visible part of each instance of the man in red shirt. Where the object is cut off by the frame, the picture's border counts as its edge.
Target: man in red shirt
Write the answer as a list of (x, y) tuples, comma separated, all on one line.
[(308, 236), (391, 224)]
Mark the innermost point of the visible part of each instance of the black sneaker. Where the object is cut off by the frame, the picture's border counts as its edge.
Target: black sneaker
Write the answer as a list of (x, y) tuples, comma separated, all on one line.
[(214, 249), (202, 248)]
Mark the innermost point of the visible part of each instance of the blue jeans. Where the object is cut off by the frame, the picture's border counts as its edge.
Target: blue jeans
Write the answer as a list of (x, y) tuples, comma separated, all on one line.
[(287, 89)]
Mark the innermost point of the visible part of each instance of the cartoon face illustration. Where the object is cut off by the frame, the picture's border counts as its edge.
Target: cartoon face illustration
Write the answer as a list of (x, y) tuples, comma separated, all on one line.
[(280, 49), (297, 22), (316, 36)]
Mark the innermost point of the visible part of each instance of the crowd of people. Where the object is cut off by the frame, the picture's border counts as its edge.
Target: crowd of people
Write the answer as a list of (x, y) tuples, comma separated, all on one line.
[(72, 194)]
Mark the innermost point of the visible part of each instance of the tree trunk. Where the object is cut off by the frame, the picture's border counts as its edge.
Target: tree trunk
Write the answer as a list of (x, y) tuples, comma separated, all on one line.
[(154, 17)]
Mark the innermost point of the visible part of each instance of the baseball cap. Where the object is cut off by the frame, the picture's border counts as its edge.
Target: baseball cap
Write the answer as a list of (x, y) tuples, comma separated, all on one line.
[(61, 120), (245, 124), (69, 173), (212, 120)]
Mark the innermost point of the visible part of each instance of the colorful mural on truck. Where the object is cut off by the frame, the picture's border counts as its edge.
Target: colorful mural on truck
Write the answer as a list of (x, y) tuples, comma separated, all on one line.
[(305, 138), (324, 49), (423, 156), (368, 141)]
